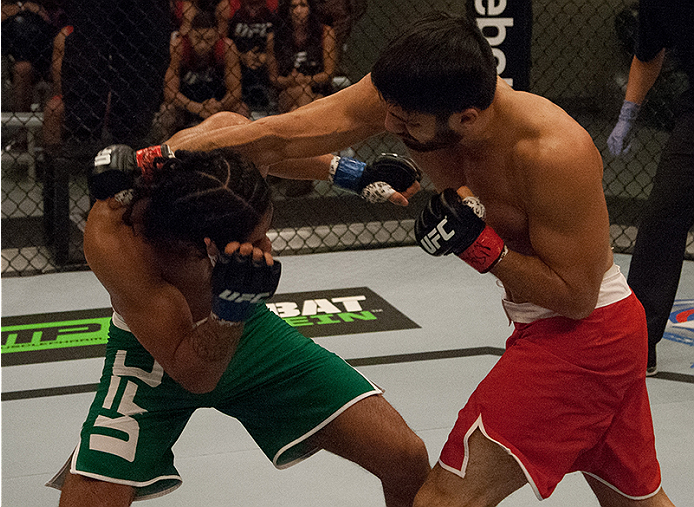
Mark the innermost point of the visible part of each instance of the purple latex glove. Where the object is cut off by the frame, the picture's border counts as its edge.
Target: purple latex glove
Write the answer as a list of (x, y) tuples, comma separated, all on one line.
[(619, 141)]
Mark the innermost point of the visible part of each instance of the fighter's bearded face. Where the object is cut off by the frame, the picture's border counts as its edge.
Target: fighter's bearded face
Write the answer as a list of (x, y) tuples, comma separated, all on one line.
[(420, 131)]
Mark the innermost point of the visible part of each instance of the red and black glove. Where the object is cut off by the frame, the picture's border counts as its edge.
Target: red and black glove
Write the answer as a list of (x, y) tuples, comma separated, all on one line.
[(116, 167), (451, 224)]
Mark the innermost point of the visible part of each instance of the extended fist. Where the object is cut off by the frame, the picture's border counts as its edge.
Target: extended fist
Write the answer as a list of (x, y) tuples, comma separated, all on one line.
[(116, 167), (114, 170), (377, 181)]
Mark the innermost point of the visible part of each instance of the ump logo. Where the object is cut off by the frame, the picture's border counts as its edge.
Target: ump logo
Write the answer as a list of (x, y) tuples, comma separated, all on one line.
[(680, 326)]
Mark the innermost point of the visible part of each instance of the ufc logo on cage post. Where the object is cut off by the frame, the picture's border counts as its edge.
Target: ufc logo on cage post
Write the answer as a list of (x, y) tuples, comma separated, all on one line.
[(430, 242)]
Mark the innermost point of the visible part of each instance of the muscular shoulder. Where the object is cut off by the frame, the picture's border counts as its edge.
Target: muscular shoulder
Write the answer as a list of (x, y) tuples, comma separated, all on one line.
[(557, 161), (553, 141), (364, 103), (118, 257)]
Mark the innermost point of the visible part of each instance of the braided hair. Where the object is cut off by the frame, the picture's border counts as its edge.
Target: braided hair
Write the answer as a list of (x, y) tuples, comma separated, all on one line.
[(218, 195)]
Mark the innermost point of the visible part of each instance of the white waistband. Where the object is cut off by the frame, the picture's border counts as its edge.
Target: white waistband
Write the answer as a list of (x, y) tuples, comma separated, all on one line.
[(613, 288), (119, 322)]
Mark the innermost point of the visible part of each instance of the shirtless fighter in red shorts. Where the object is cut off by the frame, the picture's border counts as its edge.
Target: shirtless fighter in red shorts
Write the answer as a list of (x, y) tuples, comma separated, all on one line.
[(521, 197)]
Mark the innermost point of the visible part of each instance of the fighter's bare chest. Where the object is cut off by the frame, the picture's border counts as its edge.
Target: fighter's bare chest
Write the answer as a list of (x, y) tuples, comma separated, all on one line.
[(492, 181)]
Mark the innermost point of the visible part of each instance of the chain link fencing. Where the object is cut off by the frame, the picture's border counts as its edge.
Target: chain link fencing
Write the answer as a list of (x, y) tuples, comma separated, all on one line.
[(579, 56)]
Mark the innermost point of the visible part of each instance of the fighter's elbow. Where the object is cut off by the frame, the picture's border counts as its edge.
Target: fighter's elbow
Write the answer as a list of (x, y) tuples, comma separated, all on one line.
[(580, 306), (198, 378)]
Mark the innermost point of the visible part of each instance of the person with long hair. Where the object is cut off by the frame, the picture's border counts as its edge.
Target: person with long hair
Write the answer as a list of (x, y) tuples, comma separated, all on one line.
[(301, 55)]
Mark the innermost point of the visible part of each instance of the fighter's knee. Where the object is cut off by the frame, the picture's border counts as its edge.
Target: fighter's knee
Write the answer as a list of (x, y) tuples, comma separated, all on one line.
[(431, 494), (423, 498), (417, 454), (410, 470)]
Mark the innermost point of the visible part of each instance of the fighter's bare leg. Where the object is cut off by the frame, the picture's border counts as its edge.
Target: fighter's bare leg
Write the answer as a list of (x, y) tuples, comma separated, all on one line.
[(610, 498), (80, 491), (372, 434), (491, 476)]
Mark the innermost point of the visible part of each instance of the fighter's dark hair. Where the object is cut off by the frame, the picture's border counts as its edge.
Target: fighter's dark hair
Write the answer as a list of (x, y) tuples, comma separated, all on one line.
[(441, 65), (218, 195)]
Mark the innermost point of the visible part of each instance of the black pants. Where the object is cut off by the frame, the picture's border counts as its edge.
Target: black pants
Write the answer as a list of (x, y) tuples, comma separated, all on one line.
[(661, 241)]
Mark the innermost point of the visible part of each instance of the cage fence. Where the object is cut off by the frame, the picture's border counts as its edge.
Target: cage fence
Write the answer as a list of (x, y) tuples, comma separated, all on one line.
[(121, 89)]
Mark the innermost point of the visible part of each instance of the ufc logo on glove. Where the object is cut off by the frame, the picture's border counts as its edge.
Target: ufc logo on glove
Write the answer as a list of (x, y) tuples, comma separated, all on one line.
[(237, 297), (430, 242)]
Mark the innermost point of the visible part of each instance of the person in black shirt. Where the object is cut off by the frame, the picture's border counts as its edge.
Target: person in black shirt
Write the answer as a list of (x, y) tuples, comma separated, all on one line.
[(302, 55), (114, 60), (249, 29), (661, 241)]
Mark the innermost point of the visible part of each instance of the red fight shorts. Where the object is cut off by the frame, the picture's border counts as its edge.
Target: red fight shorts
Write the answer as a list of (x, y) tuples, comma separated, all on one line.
[(569, 396)]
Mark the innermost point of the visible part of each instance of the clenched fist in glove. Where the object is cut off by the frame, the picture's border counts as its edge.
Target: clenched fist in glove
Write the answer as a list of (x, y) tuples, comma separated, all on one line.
[(377, 181), (451, 224), (116, 167), (239, 283)]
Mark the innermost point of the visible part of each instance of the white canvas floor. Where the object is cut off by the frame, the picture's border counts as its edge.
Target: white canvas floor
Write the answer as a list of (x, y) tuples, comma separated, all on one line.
[(456, 309)]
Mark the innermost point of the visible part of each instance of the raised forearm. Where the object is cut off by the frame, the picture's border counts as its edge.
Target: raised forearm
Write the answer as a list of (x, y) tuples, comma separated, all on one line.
[(323, 126)]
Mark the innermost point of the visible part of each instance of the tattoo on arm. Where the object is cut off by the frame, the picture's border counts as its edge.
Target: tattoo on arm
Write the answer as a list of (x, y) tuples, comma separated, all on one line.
[(213, 342)]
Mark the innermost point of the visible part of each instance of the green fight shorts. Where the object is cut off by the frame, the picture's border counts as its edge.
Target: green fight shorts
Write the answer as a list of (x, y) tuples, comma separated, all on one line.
[(280, 385)]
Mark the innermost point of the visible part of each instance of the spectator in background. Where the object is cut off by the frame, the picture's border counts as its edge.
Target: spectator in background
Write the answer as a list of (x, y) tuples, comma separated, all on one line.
[(656, 263), (54, 112), (249, 29), (301, 62), (204, 76), (341, 15), (28, 29), (226, 9), (302, 55), (184, 11), (116, 56)]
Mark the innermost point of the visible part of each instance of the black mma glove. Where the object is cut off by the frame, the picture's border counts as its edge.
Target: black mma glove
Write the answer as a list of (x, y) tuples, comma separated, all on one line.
[(116, 167), (239, 283), (377, 181), (450, 224)]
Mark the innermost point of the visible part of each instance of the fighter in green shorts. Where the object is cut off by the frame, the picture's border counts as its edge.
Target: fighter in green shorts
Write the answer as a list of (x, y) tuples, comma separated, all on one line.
[(190, 329), (138, 407)]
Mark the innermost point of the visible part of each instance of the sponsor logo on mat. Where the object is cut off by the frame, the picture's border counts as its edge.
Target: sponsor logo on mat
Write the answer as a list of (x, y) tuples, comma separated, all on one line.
[(65, 335)]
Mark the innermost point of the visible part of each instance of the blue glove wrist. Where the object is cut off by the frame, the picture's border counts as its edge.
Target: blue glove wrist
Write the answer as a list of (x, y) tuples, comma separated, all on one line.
[(347, 173), (233, 307)]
